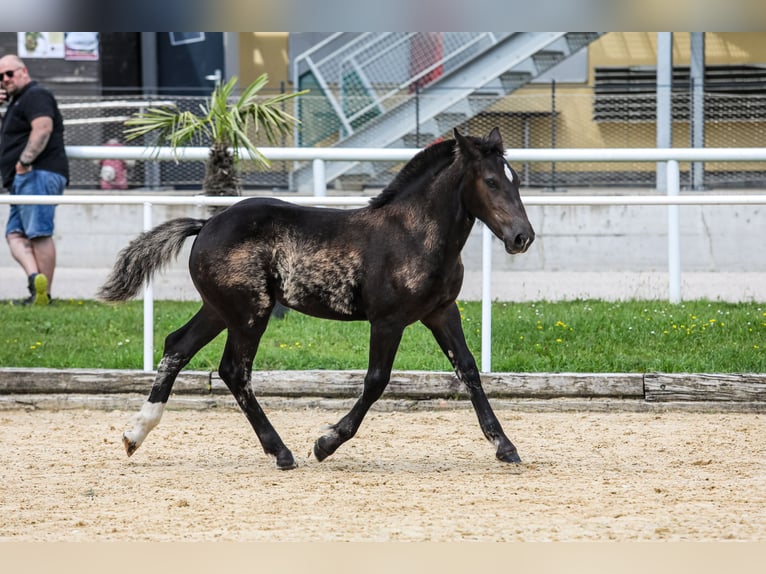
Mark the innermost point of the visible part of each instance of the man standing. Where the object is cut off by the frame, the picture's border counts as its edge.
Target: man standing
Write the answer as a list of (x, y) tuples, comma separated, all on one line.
[(33, 161)]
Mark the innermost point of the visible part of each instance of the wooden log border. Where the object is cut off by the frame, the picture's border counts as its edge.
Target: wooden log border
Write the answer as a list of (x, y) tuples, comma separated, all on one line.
[(418, 386), (663, 387)]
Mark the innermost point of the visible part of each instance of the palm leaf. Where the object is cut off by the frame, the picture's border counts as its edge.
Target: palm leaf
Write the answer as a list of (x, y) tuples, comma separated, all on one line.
[(153, 119), (224, 119)]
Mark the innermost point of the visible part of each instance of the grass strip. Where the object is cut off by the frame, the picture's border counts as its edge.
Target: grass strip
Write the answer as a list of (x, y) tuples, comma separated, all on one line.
[(563, 336)]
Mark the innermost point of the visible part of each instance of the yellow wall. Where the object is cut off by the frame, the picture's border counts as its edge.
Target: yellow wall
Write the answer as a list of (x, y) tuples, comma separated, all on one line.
[(640, 49), (261, 52), (265, 52), (575, 127)]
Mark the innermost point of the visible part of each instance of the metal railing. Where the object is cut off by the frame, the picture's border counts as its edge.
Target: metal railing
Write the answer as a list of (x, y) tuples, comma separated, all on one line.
[(362, 75), (672, 199)]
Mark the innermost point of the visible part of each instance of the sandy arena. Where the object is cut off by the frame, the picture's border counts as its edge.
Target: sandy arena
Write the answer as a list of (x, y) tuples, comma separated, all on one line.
[(406, 476)]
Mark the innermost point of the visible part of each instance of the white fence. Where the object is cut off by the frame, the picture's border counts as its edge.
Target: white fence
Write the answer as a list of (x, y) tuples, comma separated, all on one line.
[(668, 158)]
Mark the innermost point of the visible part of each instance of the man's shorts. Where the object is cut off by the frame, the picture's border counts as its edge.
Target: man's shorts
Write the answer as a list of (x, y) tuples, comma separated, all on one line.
[(34, 221)]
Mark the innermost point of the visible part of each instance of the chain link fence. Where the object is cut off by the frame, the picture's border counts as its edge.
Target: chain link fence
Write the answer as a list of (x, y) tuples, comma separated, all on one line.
[(101, 121), (542, 116)]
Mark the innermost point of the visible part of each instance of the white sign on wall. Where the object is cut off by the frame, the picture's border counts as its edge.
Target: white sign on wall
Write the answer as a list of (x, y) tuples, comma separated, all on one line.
[(67, 45), (40, 44), (81, 45)]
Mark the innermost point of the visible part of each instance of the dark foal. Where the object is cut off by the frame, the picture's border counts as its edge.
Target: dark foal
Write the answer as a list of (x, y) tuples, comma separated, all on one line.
[(393, 262)]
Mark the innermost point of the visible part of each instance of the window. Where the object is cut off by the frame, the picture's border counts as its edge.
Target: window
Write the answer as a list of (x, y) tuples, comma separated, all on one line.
[(732, 93)]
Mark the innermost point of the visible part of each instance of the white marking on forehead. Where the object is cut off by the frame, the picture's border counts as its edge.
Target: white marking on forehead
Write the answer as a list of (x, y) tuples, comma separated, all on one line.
[(508, 172)]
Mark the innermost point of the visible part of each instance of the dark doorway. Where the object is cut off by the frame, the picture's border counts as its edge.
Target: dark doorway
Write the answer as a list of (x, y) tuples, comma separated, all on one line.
[(120, 63), (189, 63)]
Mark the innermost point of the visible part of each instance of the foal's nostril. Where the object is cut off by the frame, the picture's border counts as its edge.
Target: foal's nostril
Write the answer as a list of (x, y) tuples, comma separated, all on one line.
[(518, 242), (522, 241)]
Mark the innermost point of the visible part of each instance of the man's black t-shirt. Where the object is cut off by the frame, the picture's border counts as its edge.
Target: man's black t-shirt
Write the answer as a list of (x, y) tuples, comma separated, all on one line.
[(33, 101)]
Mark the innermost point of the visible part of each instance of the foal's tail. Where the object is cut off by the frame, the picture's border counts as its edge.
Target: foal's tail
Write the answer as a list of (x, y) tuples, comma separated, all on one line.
[(145, 255)]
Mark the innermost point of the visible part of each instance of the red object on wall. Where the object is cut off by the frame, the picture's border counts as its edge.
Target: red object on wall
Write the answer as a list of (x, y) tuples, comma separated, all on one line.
[(114, 172), (426, 50)]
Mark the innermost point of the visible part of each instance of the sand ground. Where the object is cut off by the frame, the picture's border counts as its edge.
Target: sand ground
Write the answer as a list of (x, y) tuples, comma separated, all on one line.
[(406, 476)]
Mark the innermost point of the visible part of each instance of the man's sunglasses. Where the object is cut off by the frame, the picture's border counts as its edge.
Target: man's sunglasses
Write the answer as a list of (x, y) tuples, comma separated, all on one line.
[(8, 73)]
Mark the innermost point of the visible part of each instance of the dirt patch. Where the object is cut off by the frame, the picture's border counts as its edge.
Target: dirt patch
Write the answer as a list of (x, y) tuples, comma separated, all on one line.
[(417, 476)]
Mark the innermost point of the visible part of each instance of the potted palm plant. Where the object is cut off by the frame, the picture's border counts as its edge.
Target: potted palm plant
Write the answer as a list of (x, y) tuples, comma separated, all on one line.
[(228, 122)]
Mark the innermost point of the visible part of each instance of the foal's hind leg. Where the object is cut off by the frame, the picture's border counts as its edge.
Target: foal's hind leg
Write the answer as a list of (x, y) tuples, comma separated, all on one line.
[(384, 342), (235, 370), (180, 347), (446, 326)]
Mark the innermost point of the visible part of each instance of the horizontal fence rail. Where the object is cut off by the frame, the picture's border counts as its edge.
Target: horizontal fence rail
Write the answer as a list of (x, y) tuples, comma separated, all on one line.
[(359, 201), (403, 154), (668, 157)]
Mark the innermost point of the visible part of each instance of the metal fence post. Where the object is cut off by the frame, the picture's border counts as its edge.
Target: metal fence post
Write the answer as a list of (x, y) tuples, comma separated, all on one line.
[(148, 304), (320, 186), (486, 299), (674, 233)]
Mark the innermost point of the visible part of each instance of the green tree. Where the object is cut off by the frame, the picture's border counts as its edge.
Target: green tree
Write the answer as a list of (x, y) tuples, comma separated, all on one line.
[(227, 121)]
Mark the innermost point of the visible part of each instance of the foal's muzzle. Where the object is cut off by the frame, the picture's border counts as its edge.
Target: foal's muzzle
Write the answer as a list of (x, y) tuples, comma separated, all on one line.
[(519, 242)]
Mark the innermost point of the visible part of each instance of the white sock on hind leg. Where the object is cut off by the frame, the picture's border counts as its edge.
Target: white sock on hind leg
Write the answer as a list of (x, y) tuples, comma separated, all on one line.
[(147, 418)]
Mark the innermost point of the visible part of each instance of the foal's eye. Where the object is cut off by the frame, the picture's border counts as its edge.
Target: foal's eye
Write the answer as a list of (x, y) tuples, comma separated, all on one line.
[(491, 182)]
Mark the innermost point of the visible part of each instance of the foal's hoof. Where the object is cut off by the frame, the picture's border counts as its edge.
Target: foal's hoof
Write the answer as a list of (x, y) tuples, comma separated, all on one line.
[(509, 455), (320, 453), (286, 461), (130, 445)]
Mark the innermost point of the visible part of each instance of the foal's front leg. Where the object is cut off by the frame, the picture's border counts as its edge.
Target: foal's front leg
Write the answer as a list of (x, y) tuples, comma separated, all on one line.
[(446, 326), (384, 342)]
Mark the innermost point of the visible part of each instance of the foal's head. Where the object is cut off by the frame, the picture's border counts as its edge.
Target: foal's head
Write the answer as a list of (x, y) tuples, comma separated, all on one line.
[(491, 191)]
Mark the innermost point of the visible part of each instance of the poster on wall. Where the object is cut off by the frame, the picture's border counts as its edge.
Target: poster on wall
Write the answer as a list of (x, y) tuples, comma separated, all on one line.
[(81, 45), (40, 44), (181, 38)]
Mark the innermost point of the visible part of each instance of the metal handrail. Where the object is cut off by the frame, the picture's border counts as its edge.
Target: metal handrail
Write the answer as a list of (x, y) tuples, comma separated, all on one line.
[(403, 154)]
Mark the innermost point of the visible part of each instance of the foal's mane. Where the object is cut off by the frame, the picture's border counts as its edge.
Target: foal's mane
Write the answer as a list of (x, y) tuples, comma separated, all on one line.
[(435, 158)]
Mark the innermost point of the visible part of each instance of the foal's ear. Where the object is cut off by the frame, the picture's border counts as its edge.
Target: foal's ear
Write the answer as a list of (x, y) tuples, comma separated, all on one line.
[(466, 147), (495, 139)]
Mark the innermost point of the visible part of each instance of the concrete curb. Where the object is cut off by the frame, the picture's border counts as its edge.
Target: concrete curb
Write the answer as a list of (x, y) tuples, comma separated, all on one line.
[(103, 389)]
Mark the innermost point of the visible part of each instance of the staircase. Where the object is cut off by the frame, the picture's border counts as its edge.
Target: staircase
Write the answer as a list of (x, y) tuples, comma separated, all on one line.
[(399, 89)]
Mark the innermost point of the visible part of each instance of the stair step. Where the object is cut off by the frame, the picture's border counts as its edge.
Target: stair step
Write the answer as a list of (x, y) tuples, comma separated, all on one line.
[(448, 120), (513, 80), (417, 140), (577, 40), (480, 102), (545, 59)]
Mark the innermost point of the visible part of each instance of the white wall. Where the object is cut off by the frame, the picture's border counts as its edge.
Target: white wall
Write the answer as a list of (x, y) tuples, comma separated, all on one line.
[(606, 252), (569, 238)]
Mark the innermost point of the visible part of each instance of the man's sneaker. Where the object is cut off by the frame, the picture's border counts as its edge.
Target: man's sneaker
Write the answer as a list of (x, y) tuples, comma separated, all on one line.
[(39, 283), (31, 287), (28, 301)]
